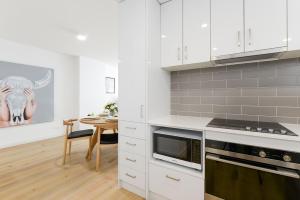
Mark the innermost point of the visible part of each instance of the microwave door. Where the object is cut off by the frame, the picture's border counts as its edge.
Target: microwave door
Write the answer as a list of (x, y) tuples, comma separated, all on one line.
[(172, 146)]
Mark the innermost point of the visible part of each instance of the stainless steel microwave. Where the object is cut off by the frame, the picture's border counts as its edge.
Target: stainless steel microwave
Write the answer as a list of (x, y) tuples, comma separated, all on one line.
[(180, 147)]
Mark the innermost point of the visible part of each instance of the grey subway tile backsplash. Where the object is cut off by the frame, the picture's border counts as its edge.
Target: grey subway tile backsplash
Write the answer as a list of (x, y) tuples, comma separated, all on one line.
[(288, 111), (242, 101), (213, 84), (189, 100), (266, 91), (201, 108), (227, 92), (227, 109), (213, 100), (259, 92), (258, 110), (200, 92), (227, 75), (242, 83), (278, 101), (288, 91)]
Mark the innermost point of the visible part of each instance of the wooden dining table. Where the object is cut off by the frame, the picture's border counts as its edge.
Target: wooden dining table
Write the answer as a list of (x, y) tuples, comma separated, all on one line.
[(101, 124)]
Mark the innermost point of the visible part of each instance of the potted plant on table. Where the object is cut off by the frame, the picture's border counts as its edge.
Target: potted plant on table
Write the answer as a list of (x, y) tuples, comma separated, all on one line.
[(112, 109)]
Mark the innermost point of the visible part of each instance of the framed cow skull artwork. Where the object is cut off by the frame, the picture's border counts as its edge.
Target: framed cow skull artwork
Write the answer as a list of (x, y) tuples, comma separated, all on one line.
[(26, 94)]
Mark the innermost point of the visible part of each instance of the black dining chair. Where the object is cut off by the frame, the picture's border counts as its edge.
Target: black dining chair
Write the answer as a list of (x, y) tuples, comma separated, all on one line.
[(71, 136)]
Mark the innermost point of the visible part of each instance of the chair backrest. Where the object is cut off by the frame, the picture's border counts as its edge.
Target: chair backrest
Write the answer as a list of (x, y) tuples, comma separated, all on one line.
[(69, 123)]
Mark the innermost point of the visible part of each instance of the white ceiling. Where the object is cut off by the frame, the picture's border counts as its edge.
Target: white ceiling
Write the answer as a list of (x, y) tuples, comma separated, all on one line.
[(53, 25)]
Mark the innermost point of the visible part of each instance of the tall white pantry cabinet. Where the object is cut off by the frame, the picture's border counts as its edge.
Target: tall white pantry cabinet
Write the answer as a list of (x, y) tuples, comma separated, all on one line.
[(144, 88)]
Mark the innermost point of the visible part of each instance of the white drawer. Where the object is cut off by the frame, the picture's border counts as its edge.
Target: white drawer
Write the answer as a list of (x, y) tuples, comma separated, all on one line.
[(133, 161), (132, 177), (132, 145), (176, 185), (136, 130)]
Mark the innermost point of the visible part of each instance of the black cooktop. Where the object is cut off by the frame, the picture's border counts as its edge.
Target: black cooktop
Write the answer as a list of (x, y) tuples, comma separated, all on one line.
[(263, 127)]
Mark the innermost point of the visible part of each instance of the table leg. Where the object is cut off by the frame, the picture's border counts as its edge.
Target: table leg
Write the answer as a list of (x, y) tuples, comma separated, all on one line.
[(93, 143), (98, 149)]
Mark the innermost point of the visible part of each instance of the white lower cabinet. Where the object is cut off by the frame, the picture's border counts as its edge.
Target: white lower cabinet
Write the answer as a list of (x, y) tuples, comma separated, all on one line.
[(132, 161), (175, 185), (132, 177), (132, 145), (131, 157), (131, 129)]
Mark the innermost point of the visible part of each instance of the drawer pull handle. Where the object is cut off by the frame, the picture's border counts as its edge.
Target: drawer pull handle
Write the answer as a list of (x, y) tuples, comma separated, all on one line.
[(131, 144), (131, 160), (131, 176), (172, 178), (131, 128)]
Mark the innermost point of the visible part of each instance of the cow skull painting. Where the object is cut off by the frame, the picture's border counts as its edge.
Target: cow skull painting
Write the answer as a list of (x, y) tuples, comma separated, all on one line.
[(16, 99)]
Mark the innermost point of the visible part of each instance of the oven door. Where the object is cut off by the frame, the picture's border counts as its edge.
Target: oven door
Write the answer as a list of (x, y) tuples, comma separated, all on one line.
[(171, 148), (230, 179)]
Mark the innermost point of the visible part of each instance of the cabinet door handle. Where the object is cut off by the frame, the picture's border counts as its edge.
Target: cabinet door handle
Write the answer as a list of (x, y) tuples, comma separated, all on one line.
[(239, 38), (131, 176), (250, 36), (172, 178), (142, 111), (186, 52), (130, 144), (131, 160), (131, 128), (178, 53)]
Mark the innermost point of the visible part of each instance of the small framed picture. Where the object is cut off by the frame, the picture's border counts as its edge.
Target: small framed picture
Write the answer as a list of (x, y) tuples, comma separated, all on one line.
[(110, 85)]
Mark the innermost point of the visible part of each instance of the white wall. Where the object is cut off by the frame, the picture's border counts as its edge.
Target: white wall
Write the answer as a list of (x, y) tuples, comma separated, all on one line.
[(92, 75), (65, 91)]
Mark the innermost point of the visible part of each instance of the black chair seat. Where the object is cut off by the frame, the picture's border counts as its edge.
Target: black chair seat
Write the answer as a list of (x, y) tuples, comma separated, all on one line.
[(81, 133), (109, 138)]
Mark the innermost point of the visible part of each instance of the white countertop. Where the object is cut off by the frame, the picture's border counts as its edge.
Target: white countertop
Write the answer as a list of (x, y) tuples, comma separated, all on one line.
[(199, 124)]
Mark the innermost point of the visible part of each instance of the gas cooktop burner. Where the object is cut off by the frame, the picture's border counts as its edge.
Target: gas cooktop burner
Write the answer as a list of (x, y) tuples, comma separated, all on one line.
[(263, 127)]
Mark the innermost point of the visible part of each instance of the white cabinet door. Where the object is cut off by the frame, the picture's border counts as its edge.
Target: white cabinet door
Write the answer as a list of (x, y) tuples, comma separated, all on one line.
[(171, 33), (132, 56), (175, 185), (293, 25), (265, 24), (227, 27), (196, 31)]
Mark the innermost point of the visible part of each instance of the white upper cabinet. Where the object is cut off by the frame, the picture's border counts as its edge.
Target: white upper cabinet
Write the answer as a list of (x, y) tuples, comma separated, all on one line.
[(185, 32), (171, 33), (265, 24), (132, 55), (196, 31), (227, 27), (293, 25)]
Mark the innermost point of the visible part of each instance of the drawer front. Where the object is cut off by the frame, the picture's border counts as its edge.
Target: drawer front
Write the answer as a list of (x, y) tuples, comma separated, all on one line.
[(133, 161), (132, 145), (176, 185), (132, 177), (135, 130)]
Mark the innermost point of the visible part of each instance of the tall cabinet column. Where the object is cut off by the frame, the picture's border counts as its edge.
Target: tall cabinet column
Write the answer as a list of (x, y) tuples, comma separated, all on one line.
[(143, 88)]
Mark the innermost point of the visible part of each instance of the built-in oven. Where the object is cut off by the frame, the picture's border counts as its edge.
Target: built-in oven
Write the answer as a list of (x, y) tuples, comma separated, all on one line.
[(243, 172), (180, 147)]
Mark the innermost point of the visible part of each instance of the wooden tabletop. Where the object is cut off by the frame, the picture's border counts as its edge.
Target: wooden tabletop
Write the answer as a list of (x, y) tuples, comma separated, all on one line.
[(99, 121)]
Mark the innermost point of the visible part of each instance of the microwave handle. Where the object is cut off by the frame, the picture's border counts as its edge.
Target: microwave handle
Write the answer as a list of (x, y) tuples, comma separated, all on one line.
[(279, 171)]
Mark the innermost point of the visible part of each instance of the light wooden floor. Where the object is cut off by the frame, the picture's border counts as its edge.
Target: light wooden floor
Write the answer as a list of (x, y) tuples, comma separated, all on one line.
[(35, 171)]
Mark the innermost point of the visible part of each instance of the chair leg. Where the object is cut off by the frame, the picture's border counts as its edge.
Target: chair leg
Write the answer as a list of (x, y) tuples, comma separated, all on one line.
[(90, 148), (65, 150), (70, 147)]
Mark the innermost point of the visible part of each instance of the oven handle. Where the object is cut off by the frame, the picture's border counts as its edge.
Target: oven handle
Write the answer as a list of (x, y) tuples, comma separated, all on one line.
[(280, 171)]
